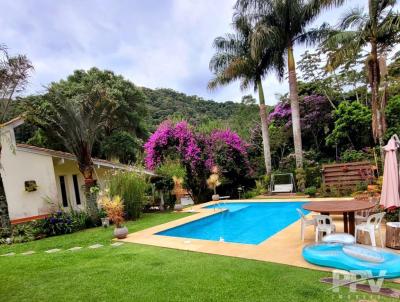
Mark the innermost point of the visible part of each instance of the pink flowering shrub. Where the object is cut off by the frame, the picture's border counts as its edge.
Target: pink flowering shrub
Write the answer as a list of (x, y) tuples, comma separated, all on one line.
[(171, 139), (198, 153)]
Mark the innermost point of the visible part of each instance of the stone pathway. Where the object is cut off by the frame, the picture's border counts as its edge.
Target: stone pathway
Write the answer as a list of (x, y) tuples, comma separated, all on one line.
[(8, 254), (52, 251), (117, 244), (72, 249), (28, 253), (95, 246)]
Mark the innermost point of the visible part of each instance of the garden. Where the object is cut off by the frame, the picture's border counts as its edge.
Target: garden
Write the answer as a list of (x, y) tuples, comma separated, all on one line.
[(169, 151)]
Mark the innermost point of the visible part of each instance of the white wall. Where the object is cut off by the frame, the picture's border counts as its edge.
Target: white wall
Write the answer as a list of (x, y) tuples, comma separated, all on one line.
[(19, 166)]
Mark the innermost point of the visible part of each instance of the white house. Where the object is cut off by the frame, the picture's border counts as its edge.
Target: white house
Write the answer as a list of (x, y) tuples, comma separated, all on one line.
[(54, 175)]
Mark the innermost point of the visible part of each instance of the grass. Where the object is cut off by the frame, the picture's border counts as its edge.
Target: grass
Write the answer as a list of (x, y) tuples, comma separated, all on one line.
[(143, 273)]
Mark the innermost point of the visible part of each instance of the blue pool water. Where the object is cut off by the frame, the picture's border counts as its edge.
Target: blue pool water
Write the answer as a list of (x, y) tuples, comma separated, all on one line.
[(249, 223)]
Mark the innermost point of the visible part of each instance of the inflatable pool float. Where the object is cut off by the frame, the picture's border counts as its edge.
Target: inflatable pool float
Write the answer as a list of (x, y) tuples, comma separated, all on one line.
[(339, 238), (354, 257)]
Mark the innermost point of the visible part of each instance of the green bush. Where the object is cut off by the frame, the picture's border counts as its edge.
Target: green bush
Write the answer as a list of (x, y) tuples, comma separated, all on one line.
[(251, 194), (392, 215), (351, 155), (131, 187), (58, 223), (168, 170), (335, 191), (311, 191), (392, 116), (313, 176), (62, 222), (361, 186), (300, 179)]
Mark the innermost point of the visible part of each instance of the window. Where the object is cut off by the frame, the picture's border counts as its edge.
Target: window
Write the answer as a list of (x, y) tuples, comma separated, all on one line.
[(63, 192), (76, 189)]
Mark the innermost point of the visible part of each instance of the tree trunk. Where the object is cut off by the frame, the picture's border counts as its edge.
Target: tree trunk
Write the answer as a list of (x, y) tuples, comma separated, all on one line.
[(294, 104), (264, 129), (87, 172), (5, 224), (377, 118)]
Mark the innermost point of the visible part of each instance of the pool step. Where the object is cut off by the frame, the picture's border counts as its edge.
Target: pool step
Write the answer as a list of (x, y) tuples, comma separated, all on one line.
[(235, 208)]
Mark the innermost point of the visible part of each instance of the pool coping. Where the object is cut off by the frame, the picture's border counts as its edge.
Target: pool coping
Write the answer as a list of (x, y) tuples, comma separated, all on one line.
[(283, 247)]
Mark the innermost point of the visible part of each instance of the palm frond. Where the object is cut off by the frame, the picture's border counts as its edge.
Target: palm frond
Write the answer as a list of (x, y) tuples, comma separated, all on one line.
[(354, 18)]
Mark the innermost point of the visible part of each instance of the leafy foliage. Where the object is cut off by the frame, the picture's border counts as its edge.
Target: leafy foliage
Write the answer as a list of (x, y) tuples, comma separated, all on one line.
[(352, 126), (198, 153), (131, 187), (392, 116), (114, 207)]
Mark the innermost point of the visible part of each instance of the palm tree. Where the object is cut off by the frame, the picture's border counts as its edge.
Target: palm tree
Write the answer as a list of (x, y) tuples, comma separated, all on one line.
[(233, 61), (76, 120), (379, 29), (282, 23)]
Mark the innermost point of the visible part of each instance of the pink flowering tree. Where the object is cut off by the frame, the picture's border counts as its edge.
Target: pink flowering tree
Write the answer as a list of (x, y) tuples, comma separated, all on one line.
[(198, 153)]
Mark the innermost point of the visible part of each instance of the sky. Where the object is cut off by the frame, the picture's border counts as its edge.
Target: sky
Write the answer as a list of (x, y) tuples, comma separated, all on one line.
[(153, 43)]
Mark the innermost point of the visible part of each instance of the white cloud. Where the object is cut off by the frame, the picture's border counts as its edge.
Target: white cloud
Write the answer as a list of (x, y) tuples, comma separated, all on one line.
[(153, 43)]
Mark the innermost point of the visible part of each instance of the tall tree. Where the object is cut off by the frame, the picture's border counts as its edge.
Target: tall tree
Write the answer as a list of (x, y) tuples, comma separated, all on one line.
[(233, 61), (283, 23), (379, 29), (76, 114), (14, 73)]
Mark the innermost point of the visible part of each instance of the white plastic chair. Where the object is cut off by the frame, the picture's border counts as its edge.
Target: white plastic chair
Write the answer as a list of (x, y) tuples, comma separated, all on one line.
[(305, 222), (373, 224), (324, 225), (362, 216)]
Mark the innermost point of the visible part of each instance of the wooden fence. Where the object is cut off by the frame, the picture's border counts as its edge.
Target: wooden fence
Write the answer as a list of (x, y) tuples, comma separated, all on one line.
[(348, 174)]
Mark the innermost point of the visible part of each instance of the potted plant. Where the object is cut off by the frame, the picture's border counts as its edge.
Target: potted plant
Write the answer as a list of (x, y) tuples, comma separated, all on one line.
[(114, 208), (213, 182)]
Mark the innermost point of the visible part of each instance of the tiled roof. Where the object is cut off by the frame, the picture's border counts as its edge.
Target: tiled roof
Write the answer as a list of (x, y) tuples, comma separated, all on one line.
[(66, 155), (18, 120)]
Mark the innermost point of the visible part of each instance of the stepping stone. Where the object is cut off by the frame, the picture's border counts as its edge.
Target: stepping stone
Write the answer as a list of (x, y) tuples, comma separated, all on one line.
[(76, 248), (117, 244), (28, 253), (95, 246), (8, 254), (52, 251)]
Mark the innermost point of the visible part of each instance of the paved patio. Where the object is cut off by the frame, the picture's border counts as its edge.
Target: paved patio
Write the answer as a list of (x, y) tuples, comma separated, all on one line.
[(284, 247)]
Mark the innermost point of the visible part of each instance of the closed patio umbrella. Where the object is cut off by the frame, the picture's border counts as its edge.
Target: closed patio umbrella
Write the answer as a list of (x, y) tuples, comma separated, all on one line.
[(390, 197)]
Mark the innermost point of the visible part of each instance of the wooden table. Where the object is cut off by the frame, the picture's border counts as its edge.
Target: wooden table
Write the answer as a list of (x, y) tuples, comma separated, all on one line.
[(345, 207)]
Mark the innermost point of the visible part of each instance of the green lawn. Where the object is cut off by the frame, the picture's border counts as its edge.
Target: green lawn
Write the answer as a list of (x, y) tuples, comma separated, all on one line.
[(142, 273)]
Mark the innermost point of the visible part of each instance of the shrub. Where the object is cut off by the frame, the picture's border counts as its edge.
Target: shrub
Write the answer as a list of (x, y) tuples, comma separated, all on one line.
[(313, 176), (335, 191), (300, 179), (23, 232), (251, 194), (311, 191), (131, 187), (61, 222), (361, 186), (392, 215), (351, 155), (114, 208)]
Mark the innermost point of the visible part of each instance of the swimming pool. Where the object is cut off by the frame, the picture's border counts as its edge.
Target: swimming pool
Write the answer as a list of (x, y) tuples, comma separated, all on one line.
[(245, 222)]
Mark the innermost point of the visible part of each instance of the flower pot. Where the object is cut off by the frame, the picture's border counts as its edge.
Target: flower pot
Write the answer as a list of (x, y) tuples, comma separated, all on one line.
[(178, 207), (105, 222), (121, 233), (372, 188), (215, 197)]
